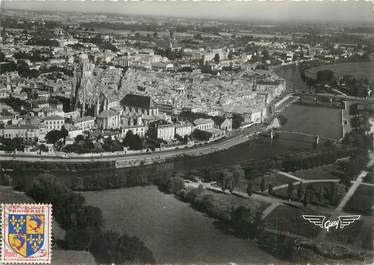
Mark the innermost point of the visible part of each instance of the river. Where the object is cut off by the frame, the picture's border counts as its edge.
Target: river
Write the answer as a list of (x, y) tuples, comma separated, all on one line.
[(291, 74)]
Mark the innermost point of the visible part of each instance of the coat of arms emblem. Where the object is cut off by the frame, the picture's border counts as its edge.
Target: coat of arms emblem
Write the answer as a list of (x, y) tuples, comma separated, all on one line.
[(26, 233)]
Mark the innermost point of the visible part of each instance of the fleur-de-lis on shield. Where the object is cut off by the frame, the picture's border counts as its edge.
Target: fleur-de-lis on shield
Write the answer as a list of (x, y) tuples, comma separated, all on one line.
[(39, 239), (34, 246), (12, 220)]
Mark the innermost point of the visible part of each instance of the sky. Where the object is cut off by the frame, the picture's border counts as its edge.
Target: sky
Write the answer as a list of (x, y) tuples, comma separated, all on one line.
[(349, 11)]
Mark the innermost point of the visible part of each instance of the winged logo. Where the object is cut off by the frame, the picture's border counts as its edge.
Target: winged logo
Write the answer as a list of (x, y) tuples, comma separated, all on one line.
[(315, 219), (346, 220), (343, 221)]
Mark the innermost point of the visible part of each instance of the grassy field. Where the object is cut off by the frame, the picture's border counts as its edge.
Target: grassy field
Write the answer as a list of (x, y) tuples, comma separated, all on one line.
[(369, 178), (290, 220), (72, 257), (273, 178), (322, 172), (320, 193), (358, 70), (8, 195), (347, 236), (173, 230), (351, 235), (359, 234), (362, 201)]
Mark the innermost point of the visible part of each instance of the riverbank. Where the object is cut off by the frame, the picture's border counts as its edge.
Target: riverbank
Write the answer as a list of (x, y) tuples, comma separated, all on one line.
[(121, 159)]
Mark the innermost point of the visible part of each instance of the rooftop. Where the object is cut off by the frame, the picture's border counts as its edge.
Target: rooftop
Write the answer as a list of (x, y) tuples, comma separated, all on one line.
[(138, 101), (107, 114), (202, 121), (52, 118), (83, 119), (21, 127)]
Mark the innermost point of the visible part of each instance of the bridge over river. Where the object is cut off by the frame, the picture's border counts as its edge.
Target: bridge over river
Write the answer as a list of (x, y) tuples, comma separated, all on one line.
[(351, 99), (307, 134)]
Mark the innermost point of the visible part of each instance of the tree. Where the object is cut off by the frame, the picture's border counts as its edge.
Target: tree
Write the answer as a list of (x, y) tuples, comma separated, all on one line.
[(300, 191), (305, 199), (78, 239), (230, 55), (175, 184), (185, 139), (262, 185), (53, 136), (259, 222), (270, 188), (43, 148), (240, 220), (109, 247), (2, 57), (90, 216), (321, 194), (325, 76), (265, 54), (249, 189), (353, 109), (238, 174), (79, 138), (198, 36), (64, 132), (290, 190), (216, 58), (331, 194), (355, 122), (228, 180), (133, 141), (328, 143), (16, 143)]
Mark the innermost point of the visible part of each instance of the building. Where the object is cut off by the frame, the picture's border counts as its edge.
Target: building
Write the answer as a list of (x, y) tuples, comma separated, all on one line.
[(224, 124), (138, 104), (108, 119), (27, 132), (73, 131), (371, 131), (9, 118), (165, 132), (84, 123), (40, 103), (4, 93), (165, 108), (183, 129), (162, 131), (140, 130), (274, 87), (209, 134), (203, 124), (54, 123), (257, 116)]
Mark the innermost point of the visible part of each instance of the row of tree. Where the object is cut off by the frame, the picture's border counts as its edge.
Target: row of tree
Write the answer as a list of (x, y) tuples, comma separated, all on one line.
[(84, 144)]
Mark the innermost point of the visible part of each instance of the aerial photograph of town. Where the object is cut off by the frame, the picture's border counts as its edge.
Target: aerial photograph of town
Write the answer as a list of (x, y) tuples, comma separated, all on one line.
[(186, 132)]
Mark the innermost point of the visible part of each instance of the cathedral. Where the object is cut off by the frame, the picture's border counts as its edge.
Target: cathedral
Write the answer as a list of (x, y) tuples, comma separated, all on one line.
[(84, 93)]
